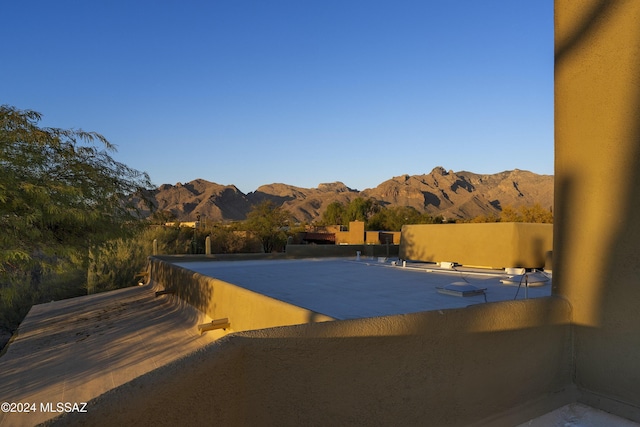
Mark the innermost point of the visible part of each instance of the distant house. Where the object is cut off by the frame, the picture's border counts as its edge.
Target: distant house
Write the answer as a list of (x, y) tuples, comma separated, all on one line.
[(355, 234)]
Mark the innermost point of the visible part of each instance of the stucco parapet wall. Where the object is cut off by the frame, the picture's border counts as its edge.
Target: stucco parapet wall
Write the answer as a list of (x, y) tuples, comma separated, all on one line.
[(311, 251), (498, 363), (488, 245), (223, 257), (245, 309)]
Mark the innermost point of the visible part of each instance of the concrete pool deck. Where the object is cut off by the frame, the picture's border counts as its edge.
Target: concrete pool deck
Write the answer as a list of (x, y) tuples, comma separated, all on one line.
[(346, 288)]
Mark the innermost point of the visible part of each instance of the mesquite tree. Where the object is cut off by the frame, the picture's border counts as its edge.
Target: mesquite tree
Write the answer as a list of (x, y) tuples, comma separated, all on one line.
[(61, 193), (268, 222)]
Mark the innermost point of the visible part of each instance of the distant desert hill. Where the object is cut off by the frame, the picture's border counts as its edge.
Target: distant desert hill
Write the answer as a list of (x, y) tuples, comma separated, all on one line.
[(454, 195), (465, 194)]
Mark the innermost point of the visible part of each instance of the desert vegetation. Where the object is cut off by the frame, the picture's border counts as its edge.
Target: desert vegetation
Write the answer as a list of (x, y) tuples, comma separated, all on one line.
[(375, 216), (535, 214), (62, 198), (75, 221)]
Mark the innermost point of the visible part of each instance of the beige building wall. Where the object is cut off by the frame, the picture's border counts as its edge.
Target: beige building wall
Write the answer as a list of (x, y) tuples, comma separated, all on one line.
[(488, 245), (382, 237), (597, 192), (355, 235)]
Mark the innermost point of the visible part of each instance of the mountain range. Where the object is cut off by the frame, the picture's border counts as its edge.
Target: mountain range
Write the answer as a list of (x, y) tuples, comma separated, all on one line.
[(455, 195)]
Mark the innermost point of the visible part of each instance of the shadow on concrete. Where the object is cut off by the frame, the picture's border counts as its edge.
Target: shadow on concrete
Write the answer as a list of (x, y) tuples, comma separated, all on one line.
[(76, 349)]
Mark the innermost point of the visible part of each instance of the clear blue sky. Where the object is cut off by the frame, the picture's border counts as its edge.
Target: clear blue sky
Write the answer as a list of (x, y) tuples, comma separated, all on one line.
[(294, 91)]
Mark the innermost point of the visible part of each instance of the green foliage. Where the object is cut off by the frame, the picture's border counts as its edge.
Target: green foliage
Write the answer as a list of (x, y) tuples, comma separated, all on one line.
[(393, 218), (360, 209), (485, 218), (172, 240), (268, 223), (535, 214), (162, 217), (117, 263), (20, 291), (16, 298), (375, 216), (335, 214), (229, 239), (225, 239), (62, 196), (60, 191)]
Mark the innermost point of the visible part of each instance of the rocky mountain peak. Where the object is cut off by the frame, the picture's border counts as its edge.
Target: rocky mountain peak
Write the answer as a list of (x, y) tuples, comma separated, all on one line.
[(337, 186), (439, 170), (452, 194)]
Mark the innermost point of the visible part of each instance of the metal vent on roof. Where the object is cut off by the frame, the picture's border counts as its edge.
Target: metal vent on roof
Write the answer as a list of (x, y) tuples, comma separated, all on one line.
[(461, 289), (529, 279)]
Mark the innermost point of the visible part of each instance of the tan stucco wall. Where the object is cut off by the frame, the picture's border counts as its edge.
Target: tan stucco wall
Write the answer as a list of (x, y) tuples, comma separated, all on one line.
[(597, 196), (444, 368), (491, 245), (355, 235), (312, 251), (245, 309), (382, 237)]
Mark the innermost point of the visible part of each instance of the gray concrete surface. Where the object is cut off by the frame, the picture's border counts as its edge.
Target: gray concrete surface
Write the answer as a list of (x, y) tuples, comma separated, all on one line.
[(579, 415)]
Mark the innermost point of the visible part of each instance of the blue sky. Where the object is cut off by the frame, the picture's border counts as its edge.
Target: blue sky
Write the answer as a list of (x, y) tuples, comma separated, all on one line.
[(293, 91)]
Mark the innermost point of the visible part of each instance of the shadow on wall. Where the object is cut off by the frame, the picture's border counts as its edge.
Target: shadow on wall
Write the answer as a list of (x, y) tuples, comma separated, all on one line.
[(409, 250), (537, 250), (597, 229), (396, 370), (616, 220), (592, 22), (183, 283)]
